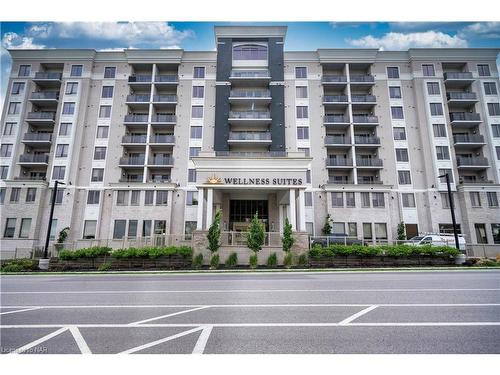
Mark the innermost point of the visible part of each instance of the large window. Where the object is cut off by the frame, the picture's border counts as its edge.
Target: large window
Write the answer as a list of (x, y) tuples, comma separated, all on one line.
[(302, 132), (58, 172), (395, 92), (433, 88), (93, 197), (301, 92), (97, 175), (337, 199), (404, 177), (402, 154), (100, 153), (62, 151), (490, 88), (109, 72), (439, 130), (161, 198), (71, 88), (408, 200), (192, 198), (300, 72), (105, 111), (196, 132), (397, 113), (442, 153), (89, 229), (378, 200), (198, 91), (30, 195), (9, 128), (107, 92), (494, 109), (392, 72), (68, 109), (483, 70), (6, 150), (199, 72), (102, 132), (428, 70), (24, 70), (10, 227), (197, 111), (492, 199), (14, 108), (17, 88), (302, 112), (399, 133), (65, 129), (24, 231), (76, 70), (119, 229), (250, 52), (436, 109)]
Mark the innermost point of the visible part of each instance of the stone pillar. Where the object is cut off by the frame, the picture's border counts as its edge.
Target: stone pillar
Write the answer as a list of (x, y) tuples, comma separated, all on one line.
[(199, 220), (281, 222), (293, 212), (302, 212), (210, 206)]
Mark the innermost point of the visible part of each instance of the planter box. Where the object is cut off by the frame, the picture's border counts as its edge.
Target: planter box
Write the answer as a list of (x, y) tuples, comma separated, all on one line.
[(380, 261), (172, 262)]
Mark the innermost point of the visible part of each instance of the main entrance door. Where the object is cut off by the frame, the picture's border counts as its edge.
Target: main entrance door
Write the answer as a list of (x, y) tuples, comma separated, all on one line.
[(241, 213)]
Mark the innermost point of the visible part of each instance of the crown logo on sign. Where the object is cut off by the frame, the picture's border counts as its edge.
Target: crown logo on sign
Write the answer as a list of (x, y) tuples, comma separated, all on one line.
[(214, 180)]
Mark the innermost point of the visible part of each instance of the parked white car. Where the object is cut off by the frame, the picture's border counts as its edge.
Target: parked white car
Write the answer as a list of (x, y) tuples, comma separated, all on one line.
[(440, 239)]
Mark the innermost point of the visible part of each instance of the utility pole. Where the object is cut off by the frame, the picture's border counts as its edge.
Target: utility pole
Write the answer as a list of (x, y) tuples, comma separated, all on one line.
[(49, 229), (452, 209)]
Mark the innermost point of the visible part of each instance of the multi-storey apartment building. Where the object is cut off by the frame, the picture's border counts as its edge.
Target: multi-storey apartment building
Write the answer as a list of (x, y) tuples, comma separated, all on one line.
[(155, 141)]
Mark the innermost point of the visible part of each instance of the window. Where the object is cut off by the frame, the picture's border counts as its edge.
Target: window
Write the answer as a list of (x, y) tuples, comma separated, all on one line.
[(14, 108), (428, 70), (497, 149), (14, 195), (89, 229), (191, 175), (199, 72), (192, 198), (338, 228), (189, 228), (122, 198), (495, 232), (308, 201), (365, 199), (146, 228), (105, 111), (337, 199), (378, 199), (30, 195), (445, 201), (481, 233), (76, 70), (119, 229), (17, 88), (439, 130), (433, 88), (490, 88), (250, 52), (24, 231), (59, 196), (10, 227), (9, 128), (62, 151), (161, 198), (442, 153), (301, 92), (109, 72), (6, 150), (442, 172), (352, 229), (404, 177), (494, 109), (65, 128), (4, 172), (308, 175), (394, 92), (392, 72), (196, 132), (380, 231), (483, 70), (197, 111), (107, 92), (496, 130), (492, 199), (397, 113), (198, 91), (100, 153), (436, 109), (408, 199), (2, 195), (132, 228), (102, 132), (302, 112), (148, 197), (475, 199), (194, 151), (24, 70), (402, 154), (300, 72), (302, 132), (71, 88), (350, 199), (93, 197), (135, 196), (68, 108), (58, 172), (367, 231), (97, 175), (399, 134)]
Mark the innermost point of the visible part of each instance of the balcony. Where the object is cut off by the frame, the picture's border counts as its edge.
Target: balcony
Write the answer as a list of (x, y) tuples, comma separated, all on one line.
[(132, 161), (141, 98), (334, 80), (369, 163), (136, 119), (160, 180), (461, 99), (362, 79), (472, 162), (336, 140), (361, 140), (140, 78), (48, 79), (364, 120), (246, 117), (458, 79), (44, 97), (165, 99), (250, 96), (335, 100), (369, 180), (465, 119), (134, 139), (163, 119), (33, 159), (468, 140), (340, 180), (41, 118), (167, 79), (37, 139), (337, 121), (249, 137), (36, 177), (251, 154), (162, 139), (338, 163), (161, 161), (253, 76), (132, 178)]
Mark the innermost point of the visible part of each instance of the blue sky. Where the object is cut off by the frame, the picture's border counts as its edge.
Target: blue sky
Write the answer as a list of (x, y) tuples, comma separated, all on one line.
[(200, 36)]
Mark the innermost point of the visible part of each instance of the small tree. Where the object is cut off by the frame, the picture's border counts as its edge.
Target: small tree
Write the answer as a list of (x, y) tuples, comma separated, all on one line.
[(256, 234), (213, 234), (63, 234), (327, 228), (287, 239), (401, 231)]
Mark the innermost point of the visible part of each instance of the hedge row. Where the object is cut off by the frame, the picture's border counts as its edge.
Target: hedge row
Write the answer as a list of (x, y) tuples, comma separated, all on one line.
[(19, 265), (132, 252), (389, 250)]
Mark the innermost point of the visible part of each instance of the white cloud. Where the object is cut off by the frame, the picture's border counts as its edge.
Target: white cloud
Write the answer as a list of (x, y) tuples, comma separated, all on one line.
[(12, 40), (402, 41), (487, 30)]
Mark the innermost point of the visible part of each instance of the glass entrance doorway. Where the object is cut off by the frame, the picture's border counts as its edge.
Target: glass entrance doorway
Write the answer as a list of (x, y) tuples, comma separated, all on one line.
[(241, 213)]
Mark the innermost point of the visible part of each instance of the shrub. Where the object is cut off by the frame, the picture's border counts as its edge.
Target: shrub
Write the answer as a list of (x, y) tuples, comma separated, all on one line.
[(213, 235), (487, 263), (198, 261), (214, 261), (272, 260), (253, 261), (389, 250), (302, 261), (90, 252), (232, 260), (256, 234), (63, 234), (287, 239), (288, 260), (327, 228), (19, 265), (153, 252), (106, 266)]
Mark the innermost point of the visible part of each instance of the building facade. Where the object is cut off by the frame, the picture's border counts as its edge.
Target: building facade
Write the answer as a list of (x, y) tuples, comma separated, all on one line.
[(153, 142)]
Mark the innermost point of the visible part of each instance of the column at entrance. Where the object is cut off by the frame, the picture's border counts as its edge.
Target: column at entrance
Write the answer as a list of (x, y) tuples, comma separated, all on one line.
[(199, 220), (292, 217), (281, 222), (210, 207), (302, 212)]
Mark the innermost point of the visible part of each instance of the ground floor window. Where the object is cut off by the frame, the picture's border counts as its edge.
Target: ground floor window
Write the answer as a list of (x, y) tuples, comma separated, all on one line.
[(119, 229), (146, 228), (381, 231), (89, 229), (189, 228), (481, 233), (495, 231), (367, 231)]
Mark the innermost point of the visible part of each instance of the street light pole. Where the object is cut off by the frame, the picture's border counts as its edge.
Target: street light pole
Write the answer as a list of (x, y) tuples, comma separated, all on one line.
[(49, 229), (452, 209)]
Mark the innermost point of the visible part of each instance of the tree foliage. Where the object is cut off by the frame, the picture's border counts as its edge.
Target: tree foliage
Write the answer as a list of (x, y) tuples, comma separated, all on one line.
[(287, 240), (213, 234), (256, 234)]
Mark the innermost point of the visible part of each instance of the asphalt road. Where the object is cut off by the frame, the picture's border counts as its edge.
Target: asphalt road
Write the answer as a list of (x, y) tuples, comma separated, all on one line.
[(338, 312)]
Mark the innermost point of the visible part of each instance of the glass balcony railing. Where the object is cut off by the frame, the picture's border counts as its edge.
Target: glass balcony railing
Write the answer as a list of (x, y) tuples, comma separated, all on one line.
[(163, 118), (338, 162), (165, 98), (337, 140), (134, 139), (134, 160), (42, 137), (250, 136), (45, 95), (369, 162), (461, 96), (333, 78), (367, 180), (335, 99), (470, 162), (468, 138), (138, 98), (48, 76), (162, 138), (167, 78), (250, 115), (360, 78), (362, 119), (251, 154), (140, 78), (250, 94), (363, 98), (131, 178), (136, 118), (250, 74), (458, 75), (340, 180), (41, 115), (464, 116), (366, 140), (33, 158), (161, 160), (336, 118)]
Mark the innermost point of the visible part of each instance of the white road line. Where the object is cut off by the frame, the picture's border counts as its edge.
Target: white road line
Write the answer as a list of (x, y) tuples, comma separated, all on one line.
[(80, 341), (157, 342), (16, 311), (168, 315), (357, 315), (199, 348), (251, 291), (39, 341)]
